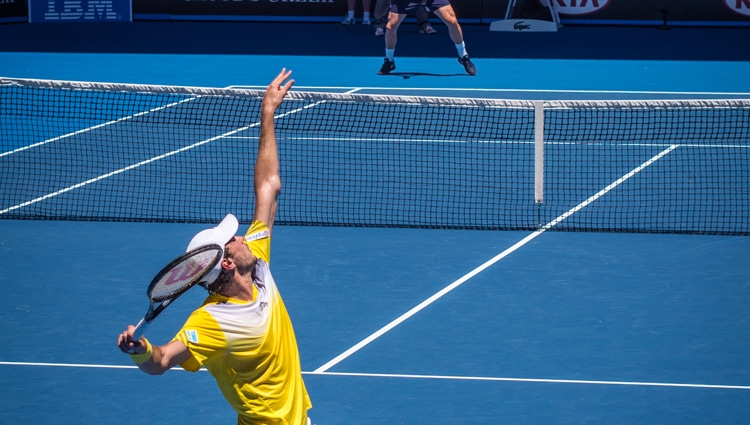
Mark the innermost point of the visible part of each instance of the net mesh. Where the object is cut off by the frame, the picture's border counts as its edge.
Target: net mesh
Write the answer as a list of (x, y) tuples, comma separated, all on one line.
[(90, 151)]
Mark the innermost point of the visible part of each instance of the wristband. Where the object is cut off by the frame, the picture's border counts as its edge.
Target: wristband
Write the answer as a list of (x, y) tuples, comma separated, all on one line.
[(143, 357)]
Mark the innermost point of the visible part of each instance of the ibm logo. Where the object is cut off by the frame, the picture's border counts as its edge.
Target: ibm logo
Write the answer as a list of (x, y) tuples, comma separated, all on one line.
[(88, 10)]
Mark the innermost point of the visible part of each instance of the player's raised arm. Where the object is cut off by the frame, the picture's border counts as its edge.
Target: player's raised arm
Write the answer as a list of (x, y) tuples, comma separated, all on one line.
[(267, 182)]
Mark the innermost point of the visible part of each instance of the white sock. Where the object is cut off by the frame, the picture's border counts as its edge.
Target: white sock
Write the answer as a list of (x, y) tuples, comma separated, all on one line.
[(367, 16), (350, 14), (461, 48), (389, 53)]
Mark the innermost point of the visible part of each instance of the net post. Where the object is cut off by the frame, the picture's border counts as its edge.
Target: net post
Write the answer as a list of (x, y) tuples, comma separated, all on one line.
[(539, 157), (539, 151)]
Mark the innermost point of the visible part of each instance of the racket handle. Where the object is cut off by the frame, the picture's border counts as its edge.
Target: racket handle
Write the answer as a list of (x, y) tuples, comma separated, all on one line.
[(140, 330)]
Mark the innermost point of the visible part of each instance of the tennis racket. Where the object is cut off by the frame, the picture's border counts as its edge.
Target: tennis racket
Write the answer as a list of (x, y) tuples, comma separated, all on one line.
[(175, 279)]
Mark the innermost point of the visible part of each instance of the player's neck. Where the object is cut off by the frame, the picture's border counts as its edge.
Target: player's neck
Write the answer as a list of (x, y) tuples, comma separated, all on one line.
[(241, 288)]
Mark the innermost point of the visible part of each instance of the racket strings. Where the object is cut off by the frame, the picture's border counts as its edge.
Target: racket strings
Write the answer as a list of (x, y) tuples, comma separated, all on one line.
[(184, 274)]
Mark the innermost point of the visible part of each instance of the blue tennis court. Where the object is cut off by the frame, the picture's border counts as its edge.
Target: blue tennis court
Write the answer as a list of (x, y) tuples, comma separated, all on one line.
[(402, 325)]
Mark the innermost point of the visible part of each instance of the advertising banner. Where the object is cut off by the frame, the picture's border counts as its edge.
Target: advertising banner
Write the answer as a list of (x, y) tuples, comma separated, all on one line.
[(80, 10), (287, 10), (649, 11), (246, 9), (594, 12)]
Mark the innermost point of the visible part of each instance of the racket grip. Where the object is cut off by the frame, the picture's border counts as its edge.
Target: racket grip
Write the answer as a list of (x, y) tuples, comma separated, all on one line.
[(140, 329)]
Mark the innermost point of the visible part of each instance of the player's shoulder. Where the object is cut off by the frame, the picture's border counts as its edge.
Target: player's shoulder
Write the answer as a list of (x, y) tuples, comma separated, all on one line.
[(258, 230)]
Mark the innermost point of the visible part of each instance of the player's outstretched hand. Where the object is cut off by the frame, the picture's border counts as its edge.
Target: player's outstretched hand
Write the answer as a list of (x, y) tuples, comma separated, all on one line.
[(276, 91)]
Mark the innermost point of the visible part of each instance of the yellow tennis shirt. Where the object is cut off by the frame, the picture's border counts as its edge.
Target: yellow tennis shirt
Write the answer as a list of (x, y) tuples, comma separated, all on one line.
[(250, 347)]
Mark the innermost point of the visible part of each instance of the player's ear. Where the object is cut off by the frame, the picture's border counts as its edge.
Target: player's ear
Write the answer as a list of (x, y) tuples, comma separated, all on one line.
[(227, 263)]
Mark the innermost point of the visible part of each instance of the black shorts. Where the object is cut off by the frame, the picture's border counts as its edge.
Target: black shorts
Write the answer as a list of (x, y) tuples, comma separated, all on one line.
[(403, 7)]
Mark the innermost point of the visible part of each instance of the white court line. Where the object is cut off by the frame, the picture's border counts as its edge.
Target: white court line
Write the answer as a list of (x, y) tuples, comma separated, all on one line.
[(121, 170), (90, 366), (505, 142), (419, 307), (436, 377), (139, 164), (87, 129), (535, 380)]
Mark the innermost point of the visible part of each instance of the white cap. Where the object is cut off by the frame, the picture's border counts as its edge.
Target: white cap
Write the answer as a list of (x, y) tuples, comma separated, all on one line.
[(218, 235)]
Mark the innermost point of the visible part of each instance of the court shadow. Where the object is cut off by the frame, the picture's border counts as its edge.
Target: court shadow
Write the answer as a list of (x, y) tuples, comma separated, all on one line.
[(407, 75)]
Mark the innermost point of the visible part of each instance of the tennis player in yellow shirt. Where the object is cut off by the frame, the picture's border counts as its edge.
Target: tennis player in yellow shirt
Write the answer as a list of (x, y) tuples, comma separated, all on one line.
[(242, 334)]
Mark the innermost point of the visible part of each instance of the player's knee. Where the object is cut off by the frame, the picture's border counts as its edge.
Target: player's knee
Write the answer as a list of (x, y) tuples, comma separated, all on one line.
[(453, 26)]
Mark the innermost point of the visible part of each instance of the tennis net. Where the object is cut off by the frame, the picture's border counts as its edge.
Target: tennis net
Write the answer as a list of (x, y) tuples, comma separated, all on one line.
[(116, 152)]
